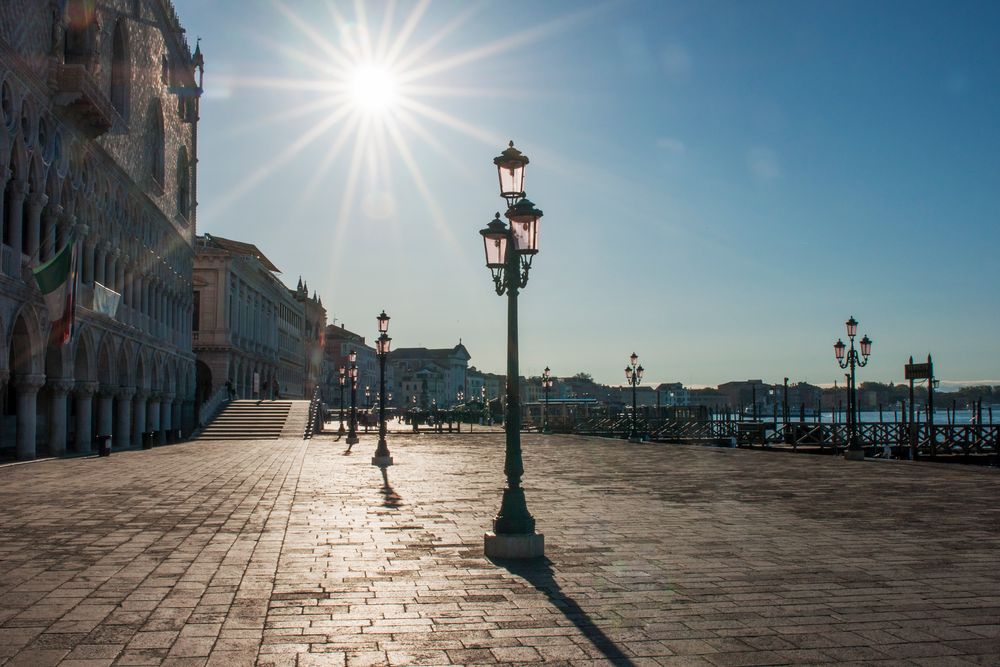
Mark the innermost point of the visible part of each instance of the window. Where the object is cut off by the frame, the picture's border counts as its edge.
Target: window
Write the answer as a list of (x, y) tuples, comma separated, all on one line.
[(121, 70), (156, 140), (183, 183), (196, 312)]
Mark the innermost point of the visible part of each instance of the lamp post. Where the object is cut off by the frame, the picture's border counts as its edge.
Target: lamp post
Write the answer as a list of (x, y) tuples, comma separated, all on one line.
[(633, 374), (459, 399), (352, 372), (413, 418), (509, 251), (482, 399), (546, 386), (382, 458), (343, 383), (854, 450)]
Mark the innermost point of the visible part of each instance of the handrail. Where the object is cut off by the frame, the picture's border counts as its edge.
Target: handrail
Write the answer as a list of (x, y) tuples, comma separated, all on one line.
[(211, 406)]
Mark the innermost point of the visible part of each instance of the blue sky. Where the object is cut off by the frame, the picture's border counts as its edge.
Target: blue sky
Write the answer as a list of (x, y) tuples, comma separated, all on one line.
[(724, 183)]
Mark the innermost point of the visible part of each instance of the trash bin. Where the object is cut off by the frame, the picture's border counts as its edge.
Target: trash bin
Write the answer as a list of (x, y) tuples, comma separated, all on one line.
[(148, 439), (103, 445)]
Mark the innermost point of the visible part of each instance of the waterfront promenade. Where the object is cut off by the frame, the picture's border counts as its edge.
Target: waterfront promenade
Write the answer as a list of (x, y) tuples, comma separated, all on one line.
[(293, 553)]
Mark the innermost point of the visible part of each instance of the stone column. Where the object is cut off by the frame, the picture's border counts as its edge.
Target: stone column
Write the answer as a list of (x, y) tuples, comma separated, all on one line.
[(175, 416), (57, 415), (89, 249), (49, 227), (100, 262), (111, 270), (15, 216), (139, 416), (123, 432), (153, 413), (84, 391), (36, 202), (27, 402), (165, 417), (187, 417), (105, 411)]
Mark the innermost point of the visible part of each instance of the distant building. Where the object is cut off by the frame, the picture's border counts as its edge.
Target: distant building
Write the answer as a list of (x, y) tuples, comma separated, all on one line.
[(433, 376), (339, 343), (745, 393), (313, 337), (672, 394), (248, 326)]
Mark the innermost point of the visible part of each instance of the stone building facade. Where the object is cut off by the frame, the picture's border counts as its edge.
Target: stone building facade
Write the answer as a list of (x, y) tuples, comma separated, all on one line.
[(250, 329), (98, 144), (434, 376)]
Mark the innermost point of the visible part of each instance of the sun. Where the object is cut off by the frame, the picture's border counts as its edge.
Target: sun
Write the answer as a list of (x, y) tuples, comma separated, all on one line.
[(373, 88)]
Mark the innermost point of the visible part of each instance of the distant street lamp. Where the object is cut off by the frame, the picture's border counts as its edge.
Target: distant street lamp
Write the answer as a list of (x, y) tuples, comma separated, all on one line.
[(343, 383), (546, 386), (413, 418), (509, 251), (633, 374), (482, 398), (368, 397), (854, 450), (352, 372), (382, 458)]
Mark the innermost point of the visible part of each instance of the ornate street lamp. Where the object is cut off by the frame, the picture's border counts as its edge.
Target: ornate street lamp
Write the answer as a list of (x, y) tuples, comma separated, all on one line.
[(382, 458), (413, 413), (352, 373), (855, 451), (546, 386), (343, 383), (509, 250), (633, 374)]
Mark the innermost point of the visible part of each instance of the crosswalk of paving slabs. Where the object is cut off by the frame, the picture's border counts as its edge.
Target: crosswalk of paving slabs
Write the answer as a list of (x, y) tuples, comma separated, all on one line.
[(301, 553)]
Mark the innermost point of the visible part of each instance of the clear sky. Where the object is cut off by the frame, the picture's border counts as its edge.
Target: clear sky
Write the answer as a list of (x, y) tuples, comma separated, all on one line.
[(724, 183)]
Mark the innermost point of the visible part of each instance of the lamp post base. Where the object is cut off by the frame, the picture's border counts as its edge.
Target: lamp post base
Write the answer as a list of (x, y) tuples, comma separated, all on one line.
[(382, 461), (854, 455), (514, 545)]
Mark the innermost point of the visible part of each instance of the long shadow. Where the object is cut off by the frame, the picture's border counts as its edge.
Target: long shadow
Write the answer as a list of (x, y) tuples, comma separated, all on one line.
[(392, 499), (539, 574)]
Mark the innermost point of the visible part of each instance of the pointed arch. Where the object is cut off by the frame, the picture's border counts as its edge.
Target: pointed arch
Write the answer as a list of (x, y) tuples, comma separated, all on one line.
[(27, 344), (84, 360), (106, 367), (126, 359)]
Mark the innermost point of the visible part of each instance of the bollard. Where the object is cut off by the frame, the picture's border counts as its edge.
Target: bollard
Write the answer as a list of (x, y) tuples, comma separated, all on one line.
[(103, 445)]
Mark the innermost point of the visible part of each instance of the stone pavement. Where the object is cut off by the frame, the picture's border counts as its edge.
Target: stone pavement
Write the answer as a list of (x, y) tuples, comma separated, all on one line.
[(293, 553)]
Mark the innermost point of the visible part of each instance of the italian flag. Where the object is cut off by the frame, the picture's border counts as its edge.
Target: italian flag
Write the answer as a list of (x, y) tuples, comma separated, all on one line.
[(57, 280)]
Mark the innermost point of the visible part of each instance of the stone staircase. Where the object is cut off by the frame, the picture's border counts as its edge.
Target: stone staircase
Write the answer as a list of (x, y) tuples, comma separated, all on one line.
[(252, 420)]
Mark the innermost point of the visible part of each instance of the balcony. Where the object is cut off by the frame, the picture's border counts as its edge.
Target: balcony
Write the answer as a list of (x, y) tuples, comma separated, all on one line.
[(76, 90)]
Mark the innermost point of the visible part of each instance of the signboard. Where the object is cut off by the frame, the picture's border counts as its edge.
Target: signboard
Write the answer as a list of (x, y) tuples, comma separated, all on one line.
[(917, 371)]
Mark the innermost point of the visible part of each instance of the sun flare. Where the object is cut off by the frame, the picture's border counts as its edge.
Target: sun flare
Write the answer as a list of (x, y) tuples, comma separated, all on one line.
[(373, 88)]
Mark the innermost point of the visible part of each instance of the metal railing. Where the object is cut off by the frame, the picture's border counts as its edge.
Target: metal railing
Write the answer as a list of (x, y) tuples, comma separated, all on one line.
[(211, 406), (879, 439)]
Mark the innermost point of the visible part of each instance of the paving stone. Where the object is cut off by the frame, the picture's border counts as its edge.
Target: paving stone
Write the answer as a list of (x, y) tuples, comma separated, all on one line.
[(292, 553)]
